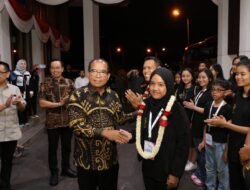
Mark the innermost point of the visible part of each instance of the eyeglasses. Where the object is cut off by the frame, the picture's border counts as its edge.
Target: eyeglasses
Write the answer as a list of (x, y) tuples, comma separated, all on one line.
[(217, 90), (101, 73)]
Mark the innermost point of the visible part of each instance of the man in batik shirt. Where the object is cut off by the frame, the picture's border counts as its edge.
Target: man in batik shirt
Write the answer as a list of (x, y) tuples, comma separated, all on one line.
[(94, 113), (54, 94)]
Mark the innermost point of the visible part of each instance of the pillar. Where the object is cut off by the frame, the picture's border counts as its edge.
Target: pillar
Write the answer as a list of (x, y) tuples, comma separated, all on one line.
[(5, 48), (223, 58), (244, 45), (37, 53), (91, 31)]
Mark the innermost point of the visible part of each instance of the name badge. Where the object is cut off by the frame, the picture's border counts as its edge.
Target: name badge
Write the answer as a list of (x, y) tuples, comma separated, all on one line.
[(209, 139), (148, 146)]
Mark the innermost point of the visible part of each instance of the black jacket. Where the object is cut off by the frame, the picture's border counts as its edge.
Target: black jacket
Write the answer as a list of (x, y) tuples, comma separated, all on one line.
[(173, 153)]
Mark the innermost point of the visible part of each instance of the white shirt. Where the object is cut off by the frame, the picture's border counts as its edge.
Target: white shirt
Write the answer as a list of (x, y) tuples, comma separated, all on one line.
[(79, 82), (9, 126)]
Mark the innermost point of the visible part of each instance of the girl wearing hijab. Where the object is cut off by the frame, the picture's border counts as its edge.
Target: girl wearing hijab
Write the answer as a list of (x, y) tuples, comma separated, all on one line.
[(21, 78), (161, 136)]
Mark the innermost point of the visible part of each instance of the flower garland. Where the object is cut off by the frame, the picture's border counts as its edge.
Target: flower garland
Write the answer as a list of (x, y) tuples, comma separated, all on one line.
[(163, 124)]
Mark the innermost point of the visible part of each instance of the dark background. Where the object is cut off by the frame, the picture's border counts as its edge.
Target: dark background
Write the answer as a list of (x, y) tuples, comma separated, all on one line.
[(140, 24)]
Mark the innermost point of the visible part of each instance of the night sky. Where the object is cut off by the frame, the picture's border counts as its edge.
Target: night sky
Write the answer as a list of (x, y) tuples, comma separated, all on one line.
[(148, 23)]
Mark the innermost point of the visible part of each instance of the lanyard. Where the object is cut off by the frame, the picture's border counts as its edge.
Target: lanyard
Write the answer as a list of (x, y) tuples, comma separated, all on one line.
[(150, 124), (196, 99), (217, 111), (199, 96)]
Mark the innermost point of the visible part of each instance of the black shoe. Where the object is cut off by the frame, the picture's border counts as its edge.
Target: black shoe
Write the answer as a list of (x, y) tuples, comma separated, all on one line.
[(69, 172), (53, 181)]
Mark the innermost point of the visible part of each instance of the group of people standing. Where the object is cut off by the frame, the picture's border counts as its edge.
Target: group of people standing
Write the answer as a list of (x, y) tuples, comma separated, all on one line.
[(219, 121), (170, 123)]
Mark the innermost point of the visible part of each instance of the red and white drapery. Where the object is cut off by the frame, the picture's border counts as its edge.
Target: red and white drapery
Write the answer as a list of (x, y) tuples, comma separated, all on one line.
[(52, 2), (42, 29), (58, 2), (21, 17), (24, 21)]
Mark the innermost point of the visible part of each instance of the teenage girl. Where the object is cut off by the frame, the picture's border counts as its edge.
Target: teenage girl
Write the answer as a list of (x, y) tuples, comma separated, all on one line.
[(205, 78)]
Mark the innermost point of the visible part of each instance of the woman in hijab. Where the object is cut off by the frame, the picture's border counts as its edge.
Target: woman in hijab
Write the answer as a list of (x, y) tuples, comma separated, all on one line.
[(162, 137), (21, 78)]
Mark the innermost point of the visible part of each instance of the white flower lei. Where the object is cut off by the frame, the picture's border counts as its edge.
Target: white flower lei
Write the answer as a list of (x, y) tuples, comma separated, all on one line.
[(148, 155)]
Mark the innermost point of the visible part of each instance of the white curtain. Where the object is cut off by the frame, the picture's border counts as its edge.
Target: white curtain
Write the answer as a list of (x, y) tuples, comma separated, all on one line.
[(52, 2)]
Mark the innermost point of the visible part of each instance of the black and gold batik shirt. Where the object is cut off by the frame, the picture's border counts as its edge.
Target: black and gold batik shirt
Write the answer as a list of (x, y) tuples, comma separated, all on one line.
[(89, 114), (54, 91)]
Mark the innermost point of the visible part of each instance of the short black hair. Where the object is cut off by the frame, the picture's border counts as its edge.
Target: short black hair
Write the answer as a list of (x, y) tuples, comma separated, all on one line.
[(222, 83), (155, 59), (5, 65), (53, 60), (101, 60)]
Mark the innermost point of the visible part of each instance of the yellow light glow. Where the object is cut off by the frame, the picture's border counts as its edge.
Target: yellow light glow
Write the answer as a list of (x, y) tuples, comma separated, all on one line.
[(118, 50), (176, 12), (148, 50)]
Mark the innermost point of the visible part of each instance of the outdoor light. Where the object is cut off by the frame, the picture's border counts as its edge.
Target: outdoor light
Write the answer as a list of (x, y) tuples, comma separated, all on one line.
[(148, 50), (118, 50), (176, 12)]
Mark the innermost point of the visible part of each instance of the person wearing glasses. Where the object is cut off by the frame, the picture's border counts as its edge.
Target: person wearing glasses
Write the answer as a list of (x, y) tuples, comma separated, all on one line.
[(53, 96), (11, 101), (215, 139), (94, 113)]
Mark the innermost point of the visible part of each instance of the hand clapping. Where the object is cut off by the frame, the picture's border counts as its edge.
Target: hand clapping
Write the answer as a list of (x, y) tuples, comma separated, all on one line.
[(16, 100), (216, 121)]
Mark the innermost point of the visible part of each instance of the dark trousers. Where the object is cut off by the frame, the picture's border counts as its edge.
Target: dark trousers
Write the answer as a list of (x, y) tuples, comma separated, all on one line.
[(152, 184), (236, 179), (65, 134), (23, 116), (104, 180), (7, 150), (200, 171), (32, 105)]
